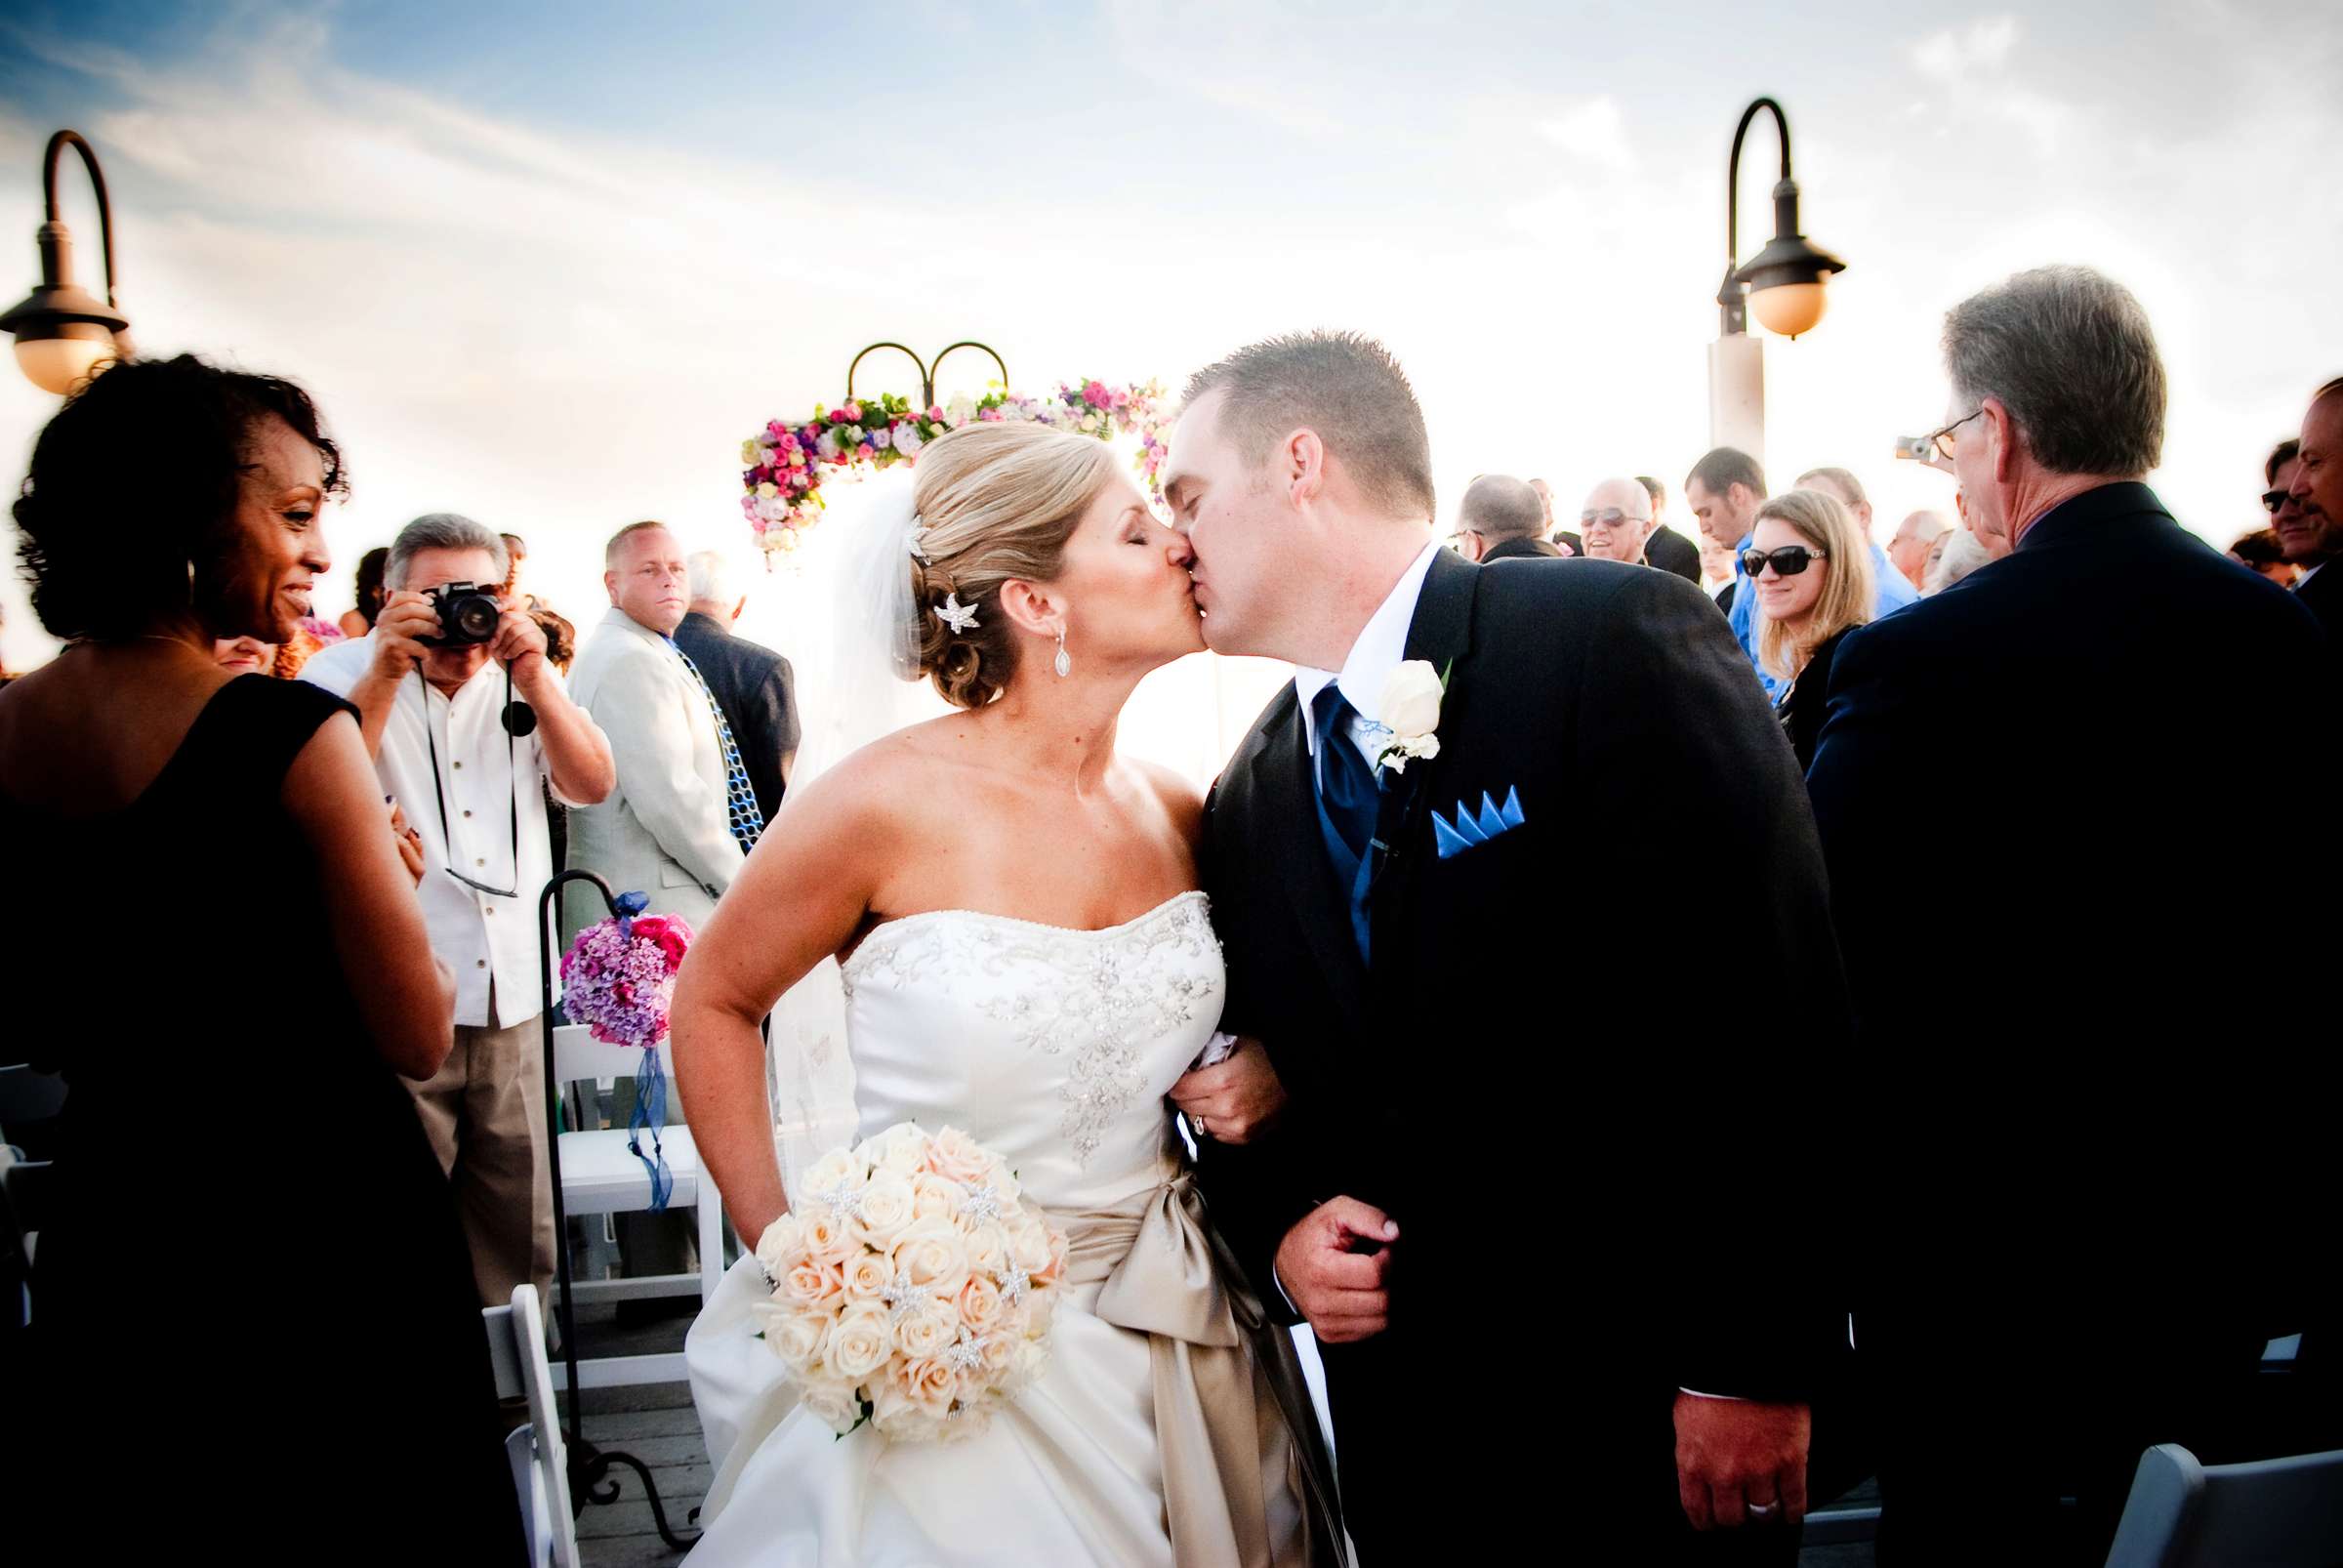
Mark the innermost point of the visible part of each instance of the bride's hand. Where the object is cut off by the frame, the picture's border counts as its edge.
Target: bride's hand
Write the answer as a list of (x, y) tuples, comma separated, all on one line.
[(1235, 1100)]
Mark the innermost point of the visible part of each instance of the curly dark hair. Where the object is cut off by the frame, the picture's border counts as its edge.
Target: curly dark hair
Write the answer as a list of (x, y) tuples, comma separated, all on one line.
[(106, 557)]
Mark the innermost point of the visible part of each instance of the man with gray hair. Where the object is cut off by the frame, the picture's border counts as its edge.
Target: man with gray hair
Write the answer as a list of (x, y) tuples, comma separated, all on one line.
[(1502, 518), (2049, 1130), (1615, 522), (754, 685), (1915, 546), (470, 772)]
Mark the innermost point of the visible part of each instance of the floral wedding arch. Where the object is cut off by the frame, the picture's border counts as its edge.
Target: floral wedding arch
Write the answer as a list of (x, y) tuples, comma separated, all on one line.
[(789, 462)]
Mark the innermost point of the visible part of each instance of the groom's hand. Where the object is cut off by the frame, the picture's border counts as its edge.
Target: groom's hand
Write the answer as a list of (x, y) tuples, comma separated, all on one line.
[(1733, 1455), (1330, 1281), (1234, 1099)]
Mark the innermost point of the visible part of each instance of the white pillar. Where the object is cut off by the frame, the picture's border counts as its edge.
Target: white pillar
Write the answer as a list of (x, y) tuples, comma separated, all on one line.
[(1737, 394)]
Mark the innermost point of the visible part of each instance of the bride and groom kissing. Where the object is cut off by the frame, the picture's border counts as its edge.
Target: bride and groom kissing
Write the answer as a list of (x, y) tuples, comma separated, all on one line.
[(1543, 1227)]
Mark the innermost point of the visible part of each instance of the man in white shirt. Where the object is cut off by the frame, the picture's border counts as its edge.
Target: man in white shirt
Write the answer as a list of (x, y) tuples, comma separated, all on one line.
[(673, 829), (433, 710)]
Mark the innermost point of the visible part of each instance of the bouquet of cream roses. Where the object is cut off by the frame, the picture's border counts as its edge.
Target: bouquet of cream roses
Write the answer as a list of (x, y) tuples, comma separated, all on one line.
[(910, 1288)]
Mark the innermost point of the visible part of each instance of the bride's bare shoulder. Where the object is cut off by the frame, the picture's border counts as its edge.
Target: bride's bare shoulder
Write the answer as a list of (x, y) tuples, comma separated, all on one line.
[(893, 779)]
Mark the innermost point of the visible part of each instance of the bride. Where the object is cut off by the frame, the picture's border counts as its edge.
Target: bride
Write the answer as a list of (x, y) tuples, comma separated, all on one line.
[(1023, 953)]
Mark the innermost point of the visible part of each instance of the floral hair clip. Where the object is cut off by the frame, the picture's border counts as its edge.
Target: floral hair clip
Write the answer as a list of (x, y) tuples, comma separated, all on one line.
[(954, 614), (911, 541)]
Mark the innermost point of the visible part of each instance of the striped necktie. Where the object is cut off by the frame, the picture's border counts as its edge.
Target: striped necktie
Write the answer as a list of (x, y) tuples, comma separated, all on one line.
[(740, 799)]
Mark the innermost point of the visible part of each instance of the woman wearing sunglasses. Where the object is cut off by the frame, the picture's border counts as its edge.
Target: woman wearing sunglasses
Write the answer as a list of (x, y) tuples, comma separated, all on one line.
[(1812, 571)]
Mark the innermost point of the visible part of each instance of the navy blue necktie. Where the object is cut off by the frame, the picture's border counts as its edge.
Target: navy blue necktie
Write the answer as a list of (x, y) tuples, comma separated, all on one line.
[(1346, 783)]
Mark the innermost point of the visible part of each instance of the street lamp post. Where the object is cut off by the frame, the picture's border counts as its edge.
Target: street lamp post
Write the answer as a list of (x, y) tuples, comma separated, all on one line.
[(1784, 284), (64, 334)]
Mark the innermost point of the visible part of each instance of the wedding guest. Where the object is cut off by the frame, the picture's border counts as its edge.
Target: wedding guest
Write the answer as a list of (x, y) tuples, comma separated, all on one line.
[(133, 767), (1892, 589), (2311, 524), (1616, 520), (2260, 551), (2278, 480), (1723, 490), (360, 621), (433, 710), (754, 687), (243, 655), (1565, 542), (1667, 548), (684, 814), (1810, 569), (1913, 547), (516, 551), (1952, 557), (2059, 1281), (1716, 571), (1503, 519)]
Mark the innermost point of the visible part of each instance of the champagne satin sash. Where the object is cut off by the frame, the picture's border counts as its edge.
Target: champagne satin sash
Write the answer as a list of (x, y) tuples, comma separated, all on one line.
[(1220, 1416)]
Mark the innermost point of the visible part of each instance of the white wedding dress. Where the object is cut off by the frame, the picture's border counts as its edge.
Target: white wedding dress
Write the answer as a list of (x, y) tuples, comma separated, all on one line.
[(1052, 1048)]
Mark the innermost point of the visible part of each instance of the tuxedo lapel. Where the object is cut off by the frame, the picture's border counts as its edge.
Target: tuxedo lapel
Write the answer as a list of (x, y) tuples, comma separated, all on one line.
[(1441, 636)]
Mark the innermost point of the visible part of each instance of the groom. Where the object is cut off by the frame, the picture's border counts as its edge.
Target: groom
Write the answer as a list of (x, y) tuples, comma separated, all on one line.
[(1552, 1238)]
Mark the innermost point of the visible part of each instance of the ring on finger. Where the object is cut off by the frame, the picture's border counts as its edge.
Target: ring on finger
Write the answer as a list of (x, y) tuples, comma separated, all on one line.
[(1761, 1510)]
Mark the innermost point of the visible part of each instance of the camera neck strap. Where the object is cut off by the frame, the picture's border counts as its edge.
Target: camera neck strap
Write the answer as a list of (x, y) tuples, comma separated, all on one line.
[(440, 789)]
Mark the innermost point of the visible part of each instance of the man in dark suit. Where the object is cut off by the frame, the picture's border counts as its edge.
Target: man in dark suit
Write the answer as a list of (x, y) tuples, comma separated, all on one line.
[(752, 685), (1542, 1234), (1667, 548), (2088, 1188), (1501, 518), (2310, 520), (1565, 543)]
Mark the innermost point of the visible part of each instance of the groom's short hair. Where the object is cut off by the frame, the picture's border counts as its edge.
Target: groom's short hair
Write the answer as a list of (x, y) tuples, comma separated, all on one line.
[(1346, 388)]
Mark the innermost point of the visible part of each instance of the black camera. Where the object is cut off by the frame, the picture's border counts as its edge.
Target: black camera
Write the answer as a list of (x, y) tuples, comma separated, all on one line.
[(467, 614)]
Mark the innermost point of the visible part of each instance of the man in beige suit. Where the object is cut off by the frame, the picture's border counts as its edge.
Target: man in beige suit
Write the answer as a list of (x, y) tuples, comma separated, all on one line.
[(667, 831)]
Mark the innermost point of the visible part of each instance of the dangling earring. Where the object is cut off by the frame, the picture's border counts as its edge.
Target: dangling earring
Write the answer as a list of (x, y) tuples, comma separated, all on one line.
[(1064, 665)]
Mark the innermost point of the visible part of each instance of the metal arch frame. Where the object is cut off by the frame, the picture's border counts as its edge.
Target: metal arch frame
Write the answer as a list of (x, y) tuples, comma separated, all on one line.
[(928, 369)]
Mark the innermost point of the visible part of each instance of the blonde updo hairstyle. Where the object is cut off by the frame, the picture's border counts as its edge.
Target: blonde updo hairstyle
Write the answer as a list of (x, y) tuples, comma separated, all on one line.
[(999, 502)]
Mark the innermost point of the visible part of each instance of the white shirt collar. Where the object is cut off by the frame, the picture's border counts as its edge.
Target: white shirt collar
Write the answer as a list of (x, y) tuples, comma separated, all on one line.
[(1381, 647)]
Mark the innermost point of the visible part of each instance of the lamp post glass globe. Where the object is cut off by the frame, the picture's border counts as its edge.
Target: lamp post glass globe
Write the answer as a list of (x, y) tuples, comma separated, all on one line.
[(58, 365), (1789, 309)]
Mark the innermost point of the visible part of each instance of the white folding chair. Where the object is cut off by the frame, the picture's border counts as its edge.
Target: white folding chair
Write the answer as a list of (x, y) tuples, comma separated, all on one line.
[(2272, 1514), (601, 1175), (539, 1459)]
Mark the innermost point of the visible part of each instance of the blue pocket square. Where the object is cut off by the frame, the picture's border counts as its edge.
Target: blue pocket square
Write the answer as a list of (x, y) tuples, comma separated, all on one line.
[(1453, 837)]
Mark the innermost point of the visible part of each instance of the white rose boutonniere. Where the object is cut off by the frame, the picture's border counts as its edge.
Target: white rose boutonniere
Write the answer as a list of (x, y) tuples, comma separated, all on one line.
[(1409, 714)]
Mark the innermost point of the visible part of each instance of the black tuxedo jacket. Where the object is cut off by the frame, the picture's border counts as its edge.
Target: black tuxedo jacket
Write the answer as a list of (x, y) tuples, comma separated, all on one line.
[(1671, 552), (1522, 549), (2084, 1082), (758, 691), (1481, 1105), (2322, 593)]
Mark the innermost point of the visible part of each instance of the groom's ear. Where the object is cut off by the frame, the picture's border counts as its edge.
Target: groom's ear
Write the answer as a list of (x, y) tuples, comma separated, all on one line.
[(1030, 607), (1305, 460)]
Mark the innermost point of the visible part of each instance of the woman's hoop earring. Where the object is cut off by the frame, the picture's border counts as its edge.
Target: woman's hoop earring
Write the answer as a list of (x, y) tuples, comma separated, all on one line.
[(1064, 665)]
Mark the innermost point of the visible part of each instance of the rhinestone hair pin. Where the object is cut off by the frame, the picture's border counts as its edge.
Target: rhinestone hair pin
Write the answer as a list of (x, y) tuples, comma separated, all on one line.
[(954, 614)]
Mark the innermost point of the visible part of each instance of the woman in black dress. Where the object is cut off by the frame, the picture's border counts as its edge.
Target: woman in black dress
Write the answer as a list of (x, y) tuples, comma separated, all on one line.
[(254, 1324), (1810, 567)]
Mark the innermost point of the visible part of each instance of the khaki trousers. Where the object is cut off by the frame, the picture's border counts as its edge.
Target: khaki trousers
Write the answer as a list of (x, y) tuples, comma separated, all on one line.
[(485, 1113)]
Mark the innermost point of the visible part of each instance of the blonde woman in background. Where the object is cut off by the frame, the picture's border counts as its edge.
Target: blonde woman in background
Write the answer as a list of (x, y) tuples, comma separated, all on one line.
[(1810, 570)]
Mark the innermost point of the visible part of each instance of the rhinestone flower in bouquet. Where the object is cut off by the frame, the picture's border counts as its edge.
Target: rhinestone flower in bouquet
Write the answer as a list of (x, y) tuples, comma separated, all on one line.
[(912, 1288), (617, 979)]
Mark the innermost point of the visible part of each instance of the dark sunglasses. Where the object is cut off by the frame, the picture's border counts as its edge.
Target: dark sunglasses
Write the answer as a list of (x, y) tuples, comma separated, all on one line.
[(1787, 562), (1609, 518), (2272, 500)]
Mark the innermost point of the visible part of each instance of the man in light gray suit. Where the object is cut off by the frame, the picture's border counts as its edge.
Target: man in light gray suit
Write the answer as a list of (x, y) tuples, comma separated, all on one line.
[(667, 830)]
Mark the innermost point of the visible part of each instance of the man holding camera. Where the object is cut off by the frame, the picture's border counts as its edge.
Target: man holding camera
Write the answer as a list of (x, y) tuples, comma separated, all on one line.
[(468, 722)]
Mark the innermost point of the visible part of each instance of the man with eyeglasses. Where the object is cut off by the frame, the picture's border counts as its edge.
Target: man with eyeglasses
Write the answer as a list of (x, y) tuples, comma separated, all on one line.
[(1616, 521), (445, 721), (1501, 518), (2087, 1184)]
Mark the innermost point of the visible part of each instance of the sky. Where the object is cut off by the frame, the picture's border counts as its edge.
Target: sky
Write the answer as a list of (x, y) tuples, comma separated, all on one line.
[(547, 265)]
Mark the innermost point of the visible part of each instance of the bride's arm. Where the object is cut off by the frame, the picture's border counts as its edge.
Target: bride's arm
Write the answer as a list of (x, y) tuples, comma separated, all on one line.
[(801, 896)]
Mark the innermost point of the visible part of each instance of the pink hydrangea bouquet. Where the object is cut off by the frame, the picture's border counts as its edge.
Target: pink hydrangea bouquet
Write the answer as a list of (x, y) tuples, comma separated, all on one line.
[(912, 1289), (618, 974)]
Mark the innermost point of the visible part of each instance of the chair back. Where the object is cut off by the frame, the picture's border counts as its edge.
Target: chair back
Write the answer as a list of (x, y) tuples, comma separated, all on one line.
[(2271, 1513), (539, 1459)]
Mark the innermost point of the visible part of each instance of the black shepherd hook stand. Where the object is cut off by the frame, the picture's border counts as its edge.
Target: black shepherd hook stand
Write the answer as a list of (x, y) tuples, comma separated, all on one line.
[(926, 370), (589, 1466)]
